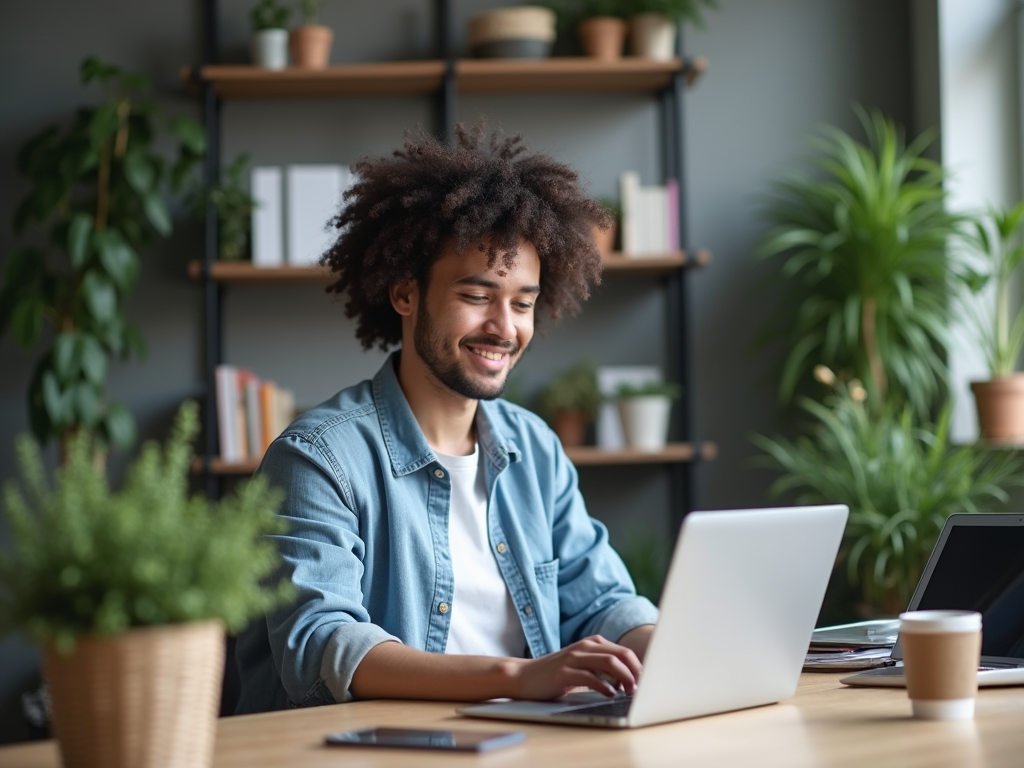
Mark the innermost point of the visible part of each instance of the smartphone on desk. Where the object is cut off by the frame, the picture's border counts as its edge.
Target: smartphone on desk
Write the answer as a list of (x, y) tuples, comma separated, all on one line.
[(417, 738)]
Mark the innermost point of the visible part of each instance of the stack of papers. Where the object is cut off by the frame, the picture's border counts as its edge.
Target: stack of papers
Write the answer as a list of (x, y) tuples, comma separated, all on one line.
[(861, 645)]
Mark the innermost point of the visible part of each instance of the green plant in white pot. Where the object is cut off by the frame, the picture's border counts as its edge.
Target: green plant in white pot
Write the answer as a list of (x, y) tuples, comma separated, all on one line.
[(129, 592), (654, 24), (270, 34), (996, 242), (644, 410)]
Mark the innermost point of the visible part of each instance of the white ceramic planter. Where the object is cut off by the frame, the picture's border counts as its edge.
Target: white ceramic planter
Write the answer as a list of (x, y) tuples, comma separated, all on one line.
[(645, 421), (270, 48), (653, 36)]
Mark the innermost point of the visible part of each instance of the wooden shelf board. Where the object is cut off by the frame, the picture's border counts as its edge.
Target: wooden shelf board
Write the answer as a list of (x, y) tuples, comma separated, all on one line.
[(673, 453), (393, 78), (403, 78), (582, 456), (234, 272)]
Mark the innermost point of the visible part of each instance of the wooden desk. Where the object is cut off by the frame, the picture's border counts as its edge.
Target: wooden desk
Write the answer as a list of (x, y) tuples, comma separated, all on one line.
[(824, 725)]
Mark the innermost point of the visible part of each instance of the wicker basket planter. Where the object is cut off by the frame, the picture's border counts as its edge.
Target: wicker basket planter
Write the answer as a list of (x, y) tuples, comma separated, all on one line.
[(145, 698)]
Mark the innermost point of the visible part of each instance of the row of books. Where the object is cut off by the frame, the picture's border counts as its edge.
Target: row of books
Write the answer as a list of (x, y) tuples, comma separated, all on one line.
[(250, 413), (650, 217), (294, 205)]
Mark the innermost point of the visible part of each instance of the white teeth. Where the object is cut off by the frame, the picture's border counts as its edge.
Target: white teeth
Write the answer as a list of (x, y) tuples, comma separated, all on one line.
[(488, 355)]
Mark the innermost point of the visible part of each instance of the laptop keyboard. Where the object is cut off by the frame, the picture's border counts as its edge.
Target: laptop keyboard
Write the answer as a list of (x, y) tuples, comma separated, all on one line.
[(616, 708)]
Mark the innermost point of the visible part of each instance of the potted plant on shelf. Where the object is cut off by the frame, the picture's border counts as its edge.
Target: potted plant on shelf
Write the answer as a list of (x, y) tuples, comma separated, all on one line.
[(654, 24), (270, 34), (862, 248), (998, 250), (233, 206), (98, 191), (644, 410), (604, 239), (900, 476), (571, 401), (310, 43), (600, 24), (130, 592)]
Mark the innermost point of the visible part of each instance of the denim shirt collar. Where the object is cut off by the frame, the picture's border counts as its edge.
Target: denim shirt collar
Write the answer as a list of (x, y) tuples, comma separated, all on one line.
[(406, 445)]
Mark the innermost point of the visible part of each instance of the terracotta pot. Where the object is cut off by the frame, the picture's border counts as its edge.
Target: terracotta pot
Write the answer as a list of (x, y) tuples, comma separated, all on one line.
[(571, 427), (145, 698), (1001, 409), (604, 239), (310, 46), (653, 36), (602, 37)]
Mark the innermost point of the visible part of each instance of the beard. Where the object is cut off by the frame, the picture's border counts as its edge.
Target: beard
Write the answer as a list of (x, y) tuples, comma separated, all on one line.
[(445, 365)]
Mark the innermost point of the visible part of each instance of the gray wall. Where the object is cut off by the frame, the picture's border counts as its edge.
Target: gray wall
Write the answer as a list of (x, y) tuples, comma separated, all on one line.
[(778, 69)]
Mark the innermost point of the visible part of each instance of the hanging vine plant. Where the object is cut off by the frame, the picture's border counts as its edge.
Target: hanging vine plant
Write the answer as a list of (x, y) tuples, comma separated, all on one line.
[(98, 195)]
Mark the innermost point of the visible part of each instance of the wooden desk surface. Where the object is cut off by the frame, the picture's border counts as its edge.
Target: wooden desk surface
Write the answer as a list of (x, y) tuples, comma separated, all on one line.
[(824, 725)]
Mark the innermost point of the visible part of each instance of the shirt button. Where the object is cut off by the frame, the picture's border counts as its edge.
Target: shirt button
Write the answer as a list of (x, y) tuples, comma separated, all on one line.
[(439, 473), (443, 608), (501, 548), (528, 610)]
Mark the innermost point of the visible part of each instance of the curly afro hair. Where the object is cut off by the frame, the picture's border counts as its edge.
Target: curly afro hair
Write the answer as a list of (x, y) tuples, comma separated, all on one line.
[(485, 193)]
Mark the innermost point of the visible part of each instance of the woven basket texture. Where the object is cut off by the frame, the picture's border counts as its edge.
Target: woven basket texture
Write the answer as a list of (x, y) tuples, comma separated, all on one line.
[(522, 22), (146, 698)]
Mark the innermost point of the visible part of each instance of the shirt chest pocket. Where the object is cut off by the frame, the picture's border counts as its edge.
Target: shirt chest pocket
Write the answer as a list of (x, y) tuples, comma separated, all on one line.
[(546, 575)]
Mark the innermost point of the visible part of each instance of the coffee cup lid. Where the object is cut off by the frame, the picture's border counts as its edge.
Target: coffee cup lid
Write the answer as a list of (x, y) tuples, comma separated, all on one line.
[(940, 621)]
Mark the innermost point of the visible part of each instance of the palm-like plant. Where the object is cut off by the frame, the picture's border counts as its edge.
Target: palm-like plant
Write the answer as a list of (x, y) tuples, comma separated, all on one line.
[(902, 478), (864, 246), (998, 248)]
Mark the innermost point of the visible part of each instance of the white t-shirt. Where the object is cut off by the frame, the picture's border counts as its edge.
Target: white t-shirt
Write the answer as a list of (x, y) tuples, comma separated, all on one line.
[(483, 618)]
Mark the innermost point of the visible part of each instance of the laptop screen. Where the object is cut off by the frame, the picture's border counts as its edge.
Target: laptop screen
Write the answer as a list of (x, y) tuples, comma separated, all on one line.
[(981, 568)]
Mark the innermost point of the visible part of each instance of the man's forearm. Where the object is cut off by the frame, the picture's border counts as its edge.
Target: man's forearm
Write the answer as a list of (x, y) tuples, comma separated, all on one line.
[(395, 671), (637, 639)]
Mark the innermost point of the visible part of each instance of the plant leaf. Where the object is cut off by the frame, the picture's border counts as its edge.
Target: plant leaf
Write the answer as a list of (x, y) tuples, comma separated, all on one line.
[(93, 359), (27, 321), (190, 134), (118, 258), (100, 297), (157, 213), (79, 231), (120, 426)]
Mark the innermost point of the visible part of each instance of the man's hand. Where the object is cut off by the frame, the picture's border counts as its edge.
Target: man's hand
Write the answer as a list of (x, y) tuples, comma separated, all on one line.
[(593, 662)]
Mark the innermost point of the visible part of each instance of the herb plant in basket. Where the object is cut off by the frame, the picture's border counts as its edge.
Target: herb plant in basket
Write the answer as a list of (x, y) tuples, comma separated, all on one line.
[(130, 592)]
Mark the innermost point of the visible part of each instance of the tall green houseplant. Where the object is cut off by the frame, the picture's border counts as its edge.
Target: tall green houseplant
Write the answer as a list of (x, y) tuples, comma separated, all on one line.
[(97, 196), (861, 246)]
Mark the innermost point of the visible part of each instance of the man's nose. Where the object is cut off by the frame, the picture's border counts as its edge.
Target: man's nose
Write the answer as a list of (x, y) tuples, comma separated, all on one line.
[(499, 322)]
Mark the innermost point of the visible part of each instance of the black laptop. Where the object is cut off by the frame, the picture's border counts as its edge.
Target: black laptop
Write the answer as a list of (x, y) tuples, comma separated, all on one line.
[(977, 565)]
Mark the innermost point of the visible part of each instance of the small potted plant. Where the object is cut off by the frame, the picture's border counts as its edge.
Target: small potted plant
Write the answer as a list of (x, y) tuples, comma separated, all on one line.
[(997, 241), (130, 592), (644, 410), (270, 34), (310, 43), (654, 24), (604, 239), (600, 24), (233, 205), (571, 401)]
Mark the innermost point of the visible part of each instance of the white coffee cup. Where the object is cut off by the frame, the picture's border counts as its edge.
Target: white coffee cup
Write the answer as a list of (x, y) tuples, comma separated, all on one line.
[(941, 653)]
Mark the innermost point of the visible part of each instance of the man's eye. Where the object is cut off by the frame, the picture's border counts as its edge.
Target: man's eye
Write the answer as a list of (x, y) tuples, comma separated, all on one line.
[(525, 306), (474, 297)]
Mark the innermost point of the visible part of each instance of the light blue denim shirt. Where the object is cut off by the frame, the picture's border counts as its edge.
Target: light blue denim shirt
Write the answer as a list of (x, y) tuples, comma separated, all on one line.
[(367, 504)]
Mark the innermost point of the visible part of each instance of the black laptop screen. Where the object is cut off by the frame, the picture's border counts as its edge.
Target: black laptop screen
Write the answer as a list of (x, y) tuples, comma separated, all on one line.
[(981, 568)]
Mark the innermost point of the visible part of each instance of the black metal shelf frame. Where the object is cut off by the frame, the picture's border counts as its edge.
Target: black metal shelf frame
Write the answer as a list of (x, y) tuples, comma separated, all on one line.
[(671, 106)]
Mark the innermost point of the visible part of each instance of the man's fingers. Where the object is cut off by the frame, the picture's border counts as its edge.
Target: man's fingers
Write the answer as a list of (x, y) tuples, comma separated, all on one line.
[(608, 664)]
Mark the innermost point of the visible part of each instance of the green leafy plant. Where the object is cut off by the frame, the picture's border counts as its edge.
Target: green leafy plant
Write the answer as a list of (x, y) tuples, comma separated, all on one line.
[(269, 14), (648, 389), (233, 205), (98, 194), (569, 13), (900, 477), (574, 389), (677, 10), (997, 241), (863, 247), (647, 559), (86, 559), (310, 11), (614, 209)]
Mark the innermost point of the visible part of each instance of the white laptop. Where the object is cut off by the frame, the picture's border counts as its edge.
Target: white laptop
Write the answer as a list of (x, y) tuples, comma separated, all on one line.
[(977, 565), (737, 611)]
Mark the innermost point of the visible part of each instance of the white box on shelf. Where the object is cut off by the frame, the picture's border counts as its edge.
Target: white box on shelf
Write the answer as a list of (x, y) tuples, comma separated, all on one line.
[(267, 217), (609, 379), (313, 198)]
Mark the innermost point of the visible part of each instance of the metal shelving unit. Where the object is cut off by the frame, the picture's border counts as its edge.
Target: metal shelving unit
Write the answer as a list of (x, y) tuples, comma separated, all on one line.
[(444, 79)]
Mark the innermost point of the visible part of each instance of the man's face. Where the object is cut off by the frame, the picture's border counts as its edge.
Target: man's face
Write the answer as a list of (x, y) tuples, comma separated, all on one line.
[(474, 323)]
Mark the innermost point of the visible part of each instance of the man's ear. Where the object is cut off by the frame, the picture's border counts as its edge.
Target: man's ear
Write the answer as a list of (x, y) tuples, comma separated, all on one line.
[(404, 297)]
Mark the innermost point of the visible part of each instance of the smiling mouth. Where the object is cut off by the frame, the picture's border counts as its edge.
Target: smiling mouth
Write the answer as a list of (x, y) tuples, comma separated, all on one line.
[(488, 355)]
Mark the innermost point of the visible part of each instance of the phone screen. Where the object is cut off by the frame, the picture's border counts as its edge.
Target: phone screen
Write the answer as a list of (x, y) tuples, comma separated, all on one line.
[(415, 738)]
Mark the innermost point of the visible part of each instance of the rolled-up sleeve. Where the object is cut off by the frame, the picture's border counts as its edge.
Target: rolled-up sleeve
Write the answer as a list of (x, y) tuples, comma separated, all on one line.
[(319, 639)]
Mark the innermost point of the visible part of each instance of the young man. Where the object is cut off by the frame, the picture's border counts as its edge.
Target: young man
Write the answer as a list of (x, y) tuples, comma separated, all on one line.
[(438, 541)]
